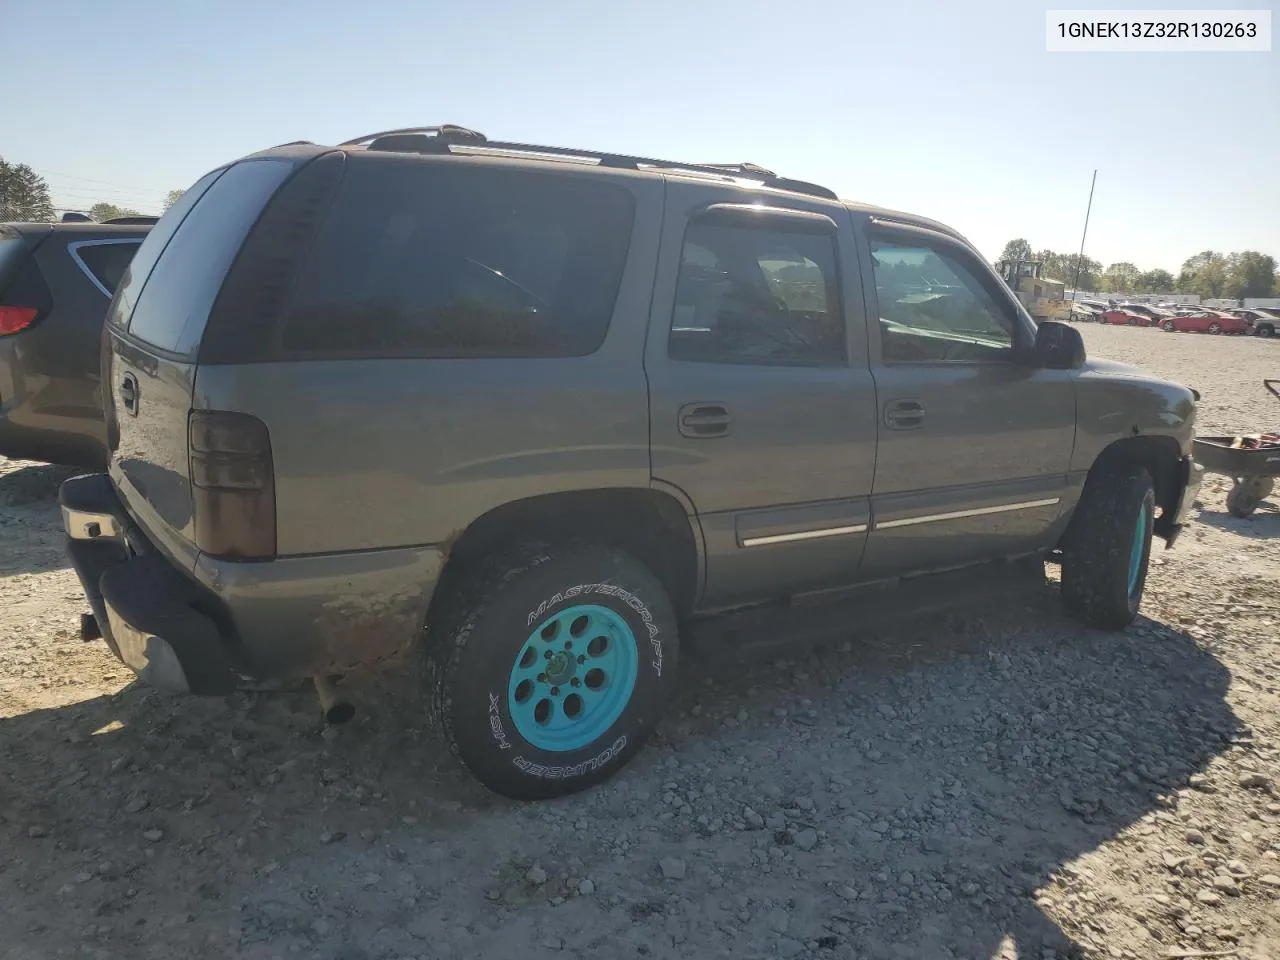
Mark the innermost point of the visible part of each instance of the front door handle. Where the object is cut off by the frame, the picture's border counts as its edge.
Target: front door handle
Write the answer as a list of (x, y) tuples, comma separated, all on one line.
[(702, 420), (904, 414), (129, 393)]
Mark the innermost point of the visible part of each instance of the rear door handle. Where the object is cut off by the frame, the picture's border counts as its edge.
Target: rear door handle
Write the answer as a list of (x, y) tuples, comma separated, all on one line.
[(904, 414), (129, 393), (703, 420)]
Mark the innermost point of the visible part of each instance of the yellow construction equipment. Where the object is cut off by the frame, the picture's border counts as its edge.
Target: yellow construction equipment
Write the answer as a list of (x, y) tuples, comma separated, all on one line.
[(1043, 298)]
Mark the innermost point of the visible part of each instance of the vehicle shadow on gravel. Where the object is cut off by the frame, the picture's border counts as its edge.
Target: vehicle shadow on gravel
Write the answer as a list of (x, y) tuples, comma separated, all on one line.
[(1262, 525), (909, 794), (30, 519), (33, 483)]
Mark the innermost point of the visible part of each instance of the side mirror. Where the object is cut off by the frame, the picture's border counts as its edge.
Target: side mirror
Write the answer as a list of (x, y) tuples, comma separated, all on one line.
[(1059, 346)]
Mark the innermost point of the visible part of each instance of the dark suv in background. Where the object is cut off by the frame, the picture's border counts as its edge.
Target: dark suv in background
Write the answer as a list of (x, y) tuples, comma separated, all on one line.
[(548, 406), (56, 281)]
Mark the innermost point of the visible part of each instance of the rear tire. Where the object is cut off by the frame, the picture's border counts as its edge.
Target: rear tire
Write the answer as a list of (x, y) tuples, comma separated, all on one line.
[(1108, 546), (556, 669)]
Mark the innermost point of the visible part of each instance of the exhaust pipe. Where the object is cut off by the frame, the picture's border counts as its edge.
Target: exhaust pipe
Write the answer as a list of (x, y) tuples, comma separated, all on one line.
[(336, 708)]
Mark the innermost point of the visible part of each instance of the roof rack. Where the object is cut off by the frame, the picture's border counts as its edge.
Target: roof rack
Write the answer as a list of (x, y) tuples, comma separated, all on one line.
[(443, 138), (442, 134)]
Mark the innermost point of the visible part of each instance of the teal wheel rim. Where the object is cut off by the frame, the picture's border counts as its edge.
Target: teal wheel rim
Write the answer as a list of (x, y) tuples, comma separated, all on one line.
[(1135, 552), (572, 678)]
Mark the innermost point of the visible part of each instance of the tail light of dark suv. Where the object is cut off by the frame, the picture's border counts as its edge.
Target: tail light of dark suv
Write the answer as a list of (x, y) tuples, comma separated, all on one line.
[(233, 489), (16, 319)]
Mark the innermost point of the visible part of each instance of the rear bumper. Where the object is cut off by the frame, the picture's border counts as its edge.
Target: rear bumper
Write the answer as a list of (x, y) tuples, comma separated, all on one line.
[(203, 630), (155, 619)]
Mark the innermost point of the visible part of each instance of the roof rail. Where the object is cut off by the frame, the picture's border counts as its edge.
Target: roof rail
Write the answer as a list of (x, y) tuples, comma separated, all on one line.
[(443, 132), (442, 139), (132, 220)]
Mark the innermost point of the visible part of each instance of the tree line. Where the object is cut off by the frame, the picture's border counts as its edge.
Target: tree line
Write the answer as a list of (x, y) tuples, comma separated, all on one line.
[(24, 198), (1209, 274)]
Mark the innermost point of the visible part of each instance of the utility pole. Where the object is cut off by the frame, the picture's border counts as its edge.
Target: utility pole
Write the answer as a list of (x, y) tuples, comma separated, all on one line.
[(1075, 287)]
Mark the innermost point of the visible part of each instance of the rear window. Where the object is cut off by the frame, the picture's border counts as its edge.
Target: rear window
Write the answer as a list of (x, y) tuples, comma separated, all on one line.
[(174, 303), (440, 260), (135, 277), (104, 261)]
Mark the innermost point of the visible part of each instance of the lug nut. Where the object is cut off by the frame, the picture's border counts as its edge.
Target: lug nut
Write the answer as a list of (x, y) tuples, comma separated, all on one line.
[(555, 691), (568, 644), (542, 678), (581, 658), (575, 682)]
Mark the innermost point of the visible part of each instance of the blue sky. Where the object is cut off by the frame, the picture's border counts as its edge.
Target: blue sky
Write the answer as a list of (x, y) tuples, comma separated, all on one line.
[(953, 110)]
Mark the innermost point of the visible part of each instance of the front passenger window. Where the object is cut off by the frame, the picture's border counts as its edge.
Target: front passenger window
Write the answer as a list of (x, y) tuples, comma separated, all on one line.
[(934, 309)]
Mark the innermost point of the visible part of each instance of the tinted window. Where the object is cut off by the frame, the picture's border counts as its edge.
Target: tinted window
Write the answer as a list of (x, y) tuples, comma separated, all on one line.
[(447, 261), (145, 258), (106, 262), (174, 305), (934, 308), (752, 295), (12, 250)]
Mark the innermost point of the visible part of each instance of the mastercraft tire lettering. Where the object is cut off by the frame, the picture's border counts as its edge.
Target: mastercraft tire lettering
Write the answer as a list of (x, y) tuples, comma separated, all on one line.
[(556, 670)]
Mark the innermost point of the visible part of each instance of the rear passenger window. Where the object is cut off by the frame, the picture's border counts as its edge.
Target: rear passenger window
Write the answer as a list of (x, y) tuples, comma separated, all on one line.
[(752, 295), (175, 303), (105, 261), (435, 260)]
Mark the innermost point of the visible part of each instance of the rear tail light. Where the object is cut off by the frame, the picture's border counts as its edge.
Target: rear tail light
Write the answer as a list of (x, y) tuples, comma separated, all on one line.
[(16, 319), (233, 488)]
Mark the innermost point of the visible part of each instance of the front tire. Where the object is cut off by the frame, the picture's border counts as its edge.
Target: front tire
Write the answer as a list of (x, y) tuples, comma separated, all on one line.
[(557, 671), (1108, 546), (1170, 327), (1215, 328)]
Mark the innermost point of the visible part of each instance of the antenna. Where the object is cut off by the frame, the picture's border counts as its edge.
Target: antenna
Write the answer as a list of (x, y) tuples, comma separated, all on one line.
[(1075, 287)]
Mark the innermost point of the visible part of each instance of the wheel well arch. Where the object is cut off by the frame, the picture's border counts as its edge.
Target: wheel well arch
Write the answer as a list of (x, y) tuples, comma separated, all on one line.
[(1160, 457), (652, 525)]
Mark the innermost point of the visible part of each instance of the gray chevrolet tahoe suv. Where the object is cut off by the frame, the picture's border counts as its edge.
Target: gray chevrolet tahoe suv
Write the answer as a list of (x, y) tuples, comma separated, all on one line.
[(536, 407)]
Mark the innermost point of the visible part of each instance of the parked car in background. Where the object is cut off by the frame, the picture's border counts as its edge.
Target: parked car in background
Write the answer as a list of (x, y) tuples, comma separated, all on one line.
[(423, 387), (1262, 323), (1154, 315), (1205, 321), (1089, 313), (1125, 315), (56, 281)]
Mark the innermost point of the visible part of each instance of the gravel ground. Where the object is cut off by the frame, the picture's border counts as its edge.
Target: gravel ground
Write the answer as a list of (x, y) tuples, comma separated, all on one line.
[(1004, 784)]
